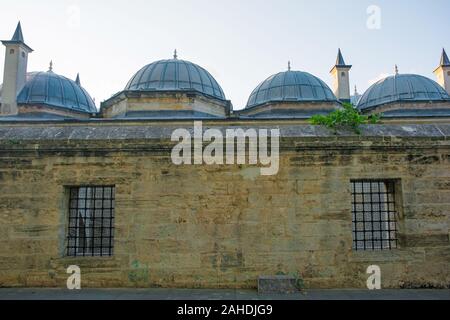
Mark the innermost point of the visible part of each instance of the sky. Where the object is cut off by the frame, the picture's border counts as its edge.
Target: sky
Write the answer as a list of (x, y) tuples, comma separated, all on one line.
[(240, 42)]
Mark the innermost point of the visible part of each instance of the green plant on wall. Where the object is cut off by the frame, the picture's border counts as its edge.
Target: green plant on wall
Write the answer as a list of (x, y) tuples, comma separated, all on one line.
[(299, 282), (347, 117), (13, 142), (138, 272)]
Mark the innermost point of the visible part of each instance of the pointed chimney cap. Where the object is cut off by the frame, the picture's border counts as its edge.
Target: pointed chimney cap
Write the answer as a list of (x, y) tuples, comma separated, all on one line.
[(445, 61), (17, 38), (18, 35), (340, 63), (340, 59)]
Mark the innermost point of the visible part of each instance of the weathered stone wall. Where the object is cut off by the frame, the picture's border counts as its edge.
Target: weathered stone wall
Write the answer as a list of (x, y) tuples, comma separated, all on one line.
[(222, 226), (169, 101), (26, 109)]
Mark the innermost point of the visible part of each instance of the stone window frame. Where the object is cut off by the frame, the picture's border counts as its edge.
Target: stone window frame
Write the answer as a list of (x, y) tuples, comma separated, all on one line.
[(398, 214)]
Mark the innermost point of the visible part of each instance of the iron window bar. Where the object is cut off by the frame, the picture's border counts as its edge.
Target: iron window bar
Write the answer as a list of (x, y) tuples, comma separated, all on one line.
[(374, 221), (91, 221)]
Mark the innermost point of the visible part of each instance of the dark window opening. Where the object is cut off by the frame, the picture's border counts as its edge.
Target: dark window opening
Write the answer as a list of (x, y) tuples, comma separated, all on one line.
[(91, 221), (374, 215)]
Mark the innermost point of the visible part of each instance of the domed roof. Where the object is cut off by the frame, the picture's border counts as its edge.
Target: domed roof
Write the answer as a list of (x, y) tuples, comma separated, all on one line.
[(54, 90), (402, 87), (175, 75), (297, 86)]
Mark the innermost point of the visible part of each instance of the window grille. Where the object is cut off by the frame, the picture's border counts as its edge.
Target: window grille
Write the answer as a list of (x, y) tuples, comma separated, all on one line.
[(91, 221), (374, 215)]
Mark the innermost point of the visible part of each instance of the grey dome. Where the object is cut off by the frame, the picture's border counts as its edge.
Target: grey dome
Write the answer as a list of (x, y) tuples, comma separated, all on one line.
[(175, 75), (54, 90), (402, 88), (297, 86)]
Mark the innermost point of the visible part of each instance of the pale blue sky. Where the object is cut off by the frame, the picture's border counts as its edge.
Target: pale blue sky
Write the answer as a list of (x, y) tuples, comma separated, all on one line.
[(240, 42)]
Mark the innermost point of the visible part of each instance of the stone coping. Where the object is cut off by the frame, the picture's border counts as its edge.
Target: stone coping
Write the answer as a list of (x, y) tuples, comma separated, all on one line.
[(163, 132)]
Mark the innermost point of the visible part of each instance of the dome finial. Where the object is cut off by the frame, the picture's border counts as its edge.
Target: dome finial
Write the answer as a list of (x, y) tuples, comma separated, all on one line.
[(289, 66), (175, 55), (50, 67), (396, 70), (77, 80), (356, 91)]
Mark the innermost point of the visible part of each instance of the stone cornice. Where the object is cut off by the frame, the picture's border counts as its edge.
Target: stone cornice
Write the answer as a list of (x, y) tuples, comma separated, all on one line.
[(102, 140)]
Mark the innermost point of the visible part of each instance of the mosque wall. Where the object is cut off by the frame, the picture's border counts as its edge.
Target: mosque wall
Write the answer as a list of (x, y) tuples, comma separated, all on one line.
[(117, 109), (176, 102), (307, 107), (430, 106), (25, 110), (159, 101), (221, 226)]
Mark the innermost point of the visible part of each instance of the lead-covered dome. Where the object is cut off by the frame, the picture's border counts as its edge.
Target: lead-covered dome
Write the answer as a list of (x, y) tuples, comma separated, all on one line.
[(291, 86), (402, 88), (54, 90), (175, 75)]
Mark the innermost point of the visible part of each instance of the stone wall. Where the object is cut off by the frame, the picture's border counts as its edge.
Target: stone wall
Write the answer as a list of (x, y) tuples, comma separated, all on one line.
[(129, 102), (222, 226)]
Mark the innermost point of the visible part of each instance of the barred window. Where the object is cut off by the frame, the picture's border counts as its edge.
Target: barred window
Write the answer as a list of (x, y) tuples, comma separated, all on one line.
[(91, 221), (374, 215)]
